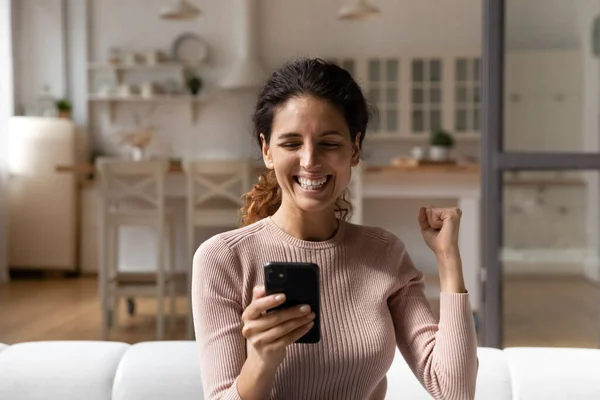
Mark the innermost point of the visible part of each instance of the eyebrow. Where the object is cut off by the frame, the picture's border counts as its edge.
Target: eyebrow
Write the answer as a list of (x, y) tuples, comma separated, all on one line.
[(290, 135)]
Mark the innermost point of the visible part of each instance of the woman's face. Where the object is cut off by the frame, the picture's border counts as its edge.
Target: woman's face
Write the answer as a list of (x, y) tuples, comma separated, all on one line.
[(311, 152)]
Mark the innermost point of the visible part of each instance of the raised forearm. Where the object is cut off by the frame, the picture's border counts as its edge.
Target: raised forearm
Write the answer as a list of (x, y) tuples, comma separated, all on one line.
[(450, 271), (255, 380)]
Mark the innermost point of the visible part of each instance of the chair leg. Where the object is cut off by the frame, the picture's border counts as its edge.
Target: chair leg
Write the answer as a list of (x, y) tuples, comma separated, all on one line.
[(188, 277), (172, 294), (104, 311), (112, 271), (106, 265), (115, 310), (160, 285)]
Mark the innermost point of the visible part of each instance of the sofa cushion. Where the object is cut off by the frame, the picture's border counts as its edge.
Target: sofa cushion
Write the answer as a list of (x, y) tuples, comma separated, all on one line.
[(554, 373), (159, 370), (493, 378), (70, 370)]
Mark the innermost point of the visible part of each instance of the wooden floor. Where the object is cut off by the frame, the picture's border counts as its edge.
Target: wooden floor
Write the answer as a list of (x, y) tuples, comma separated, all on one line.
[(538, 311)]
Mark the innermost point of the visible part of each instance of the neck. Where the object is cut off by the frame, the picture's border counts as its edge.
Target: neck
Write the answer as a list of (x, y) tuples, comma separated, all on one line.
[(311, 226)]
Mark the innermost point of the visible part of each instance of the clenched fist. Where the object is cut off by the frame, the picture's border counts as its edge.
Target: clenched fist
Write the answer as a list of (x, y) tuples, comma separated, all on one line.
[(439, 227)]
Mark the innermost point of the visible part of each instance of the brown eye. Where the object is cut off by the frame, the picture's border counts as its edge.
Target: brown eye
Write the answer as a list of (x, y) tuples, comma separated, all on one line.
[(331, 145)]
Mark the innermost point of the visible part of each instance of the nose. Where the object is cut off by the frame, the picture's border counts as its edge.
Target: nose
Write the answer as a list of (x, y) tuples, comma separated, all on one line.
[(310, 158)]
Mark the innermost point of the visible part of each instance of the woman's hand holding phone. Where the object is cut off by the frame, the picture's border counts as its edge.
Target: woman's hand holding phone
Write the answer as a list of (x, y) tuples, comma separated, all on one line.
[(270, 333)]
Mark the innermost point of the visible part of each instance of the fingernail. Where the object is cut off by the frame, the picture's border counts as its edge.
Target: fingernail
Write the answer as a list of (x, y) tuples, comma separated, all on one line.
[(280, 297), (305, 308)]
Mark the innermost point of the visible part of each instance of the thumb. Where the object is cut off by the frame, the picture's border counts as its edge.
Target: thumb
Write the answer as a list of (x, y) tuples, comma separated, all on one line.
[(423, 223)]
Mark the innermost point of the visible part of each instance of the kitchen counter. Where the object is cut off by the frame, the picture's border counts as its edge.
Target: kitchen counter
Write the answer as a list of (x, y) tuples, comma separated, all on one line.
[(397, 182), (176, 167)]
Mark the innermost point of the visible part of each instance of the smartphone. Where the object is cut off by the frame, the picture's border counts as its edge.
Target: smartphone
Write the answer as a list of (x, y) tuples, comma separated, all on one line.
[(300, 284)]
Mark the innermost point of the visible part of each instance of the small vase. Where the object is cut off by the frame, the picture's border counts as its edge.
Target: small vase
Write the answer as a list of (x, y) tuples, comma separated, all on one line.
[(439, 153), (417, 153), (137, 153)]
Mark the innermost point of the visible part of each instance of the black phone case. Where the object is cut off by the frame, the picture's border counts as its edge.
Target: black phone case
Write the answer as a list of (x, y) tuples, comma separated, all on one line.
[(301, 285)]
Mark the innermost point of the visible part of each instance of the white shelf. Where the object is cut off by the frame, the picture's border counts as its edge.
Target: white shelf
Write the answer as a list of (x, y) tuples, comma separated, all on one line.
[(125, 67), (396, 137), (154, 99), (192, 101)]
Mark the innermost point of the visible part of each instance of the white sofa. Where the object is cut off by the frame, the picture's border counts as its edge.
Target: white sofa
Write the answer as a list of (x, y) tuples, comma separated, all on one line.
[(75, 370)]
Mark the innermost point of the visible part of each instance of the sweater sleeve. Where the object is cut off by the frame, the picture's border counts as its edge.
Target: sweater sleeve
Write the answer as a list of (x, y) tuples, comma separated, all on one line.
[(443, 356), (217, 312)]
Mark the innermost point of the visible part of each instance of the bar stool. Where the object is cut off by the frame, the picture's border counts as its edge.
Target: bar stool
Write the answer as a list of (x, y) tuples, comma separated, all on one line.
[(355, 187), (214, 198), (132, 193)]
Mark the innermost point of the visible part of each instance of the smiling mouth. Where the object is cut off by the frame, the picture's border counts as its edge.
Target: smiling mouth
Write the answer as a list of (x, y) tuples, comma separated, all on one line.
[(312, 184)]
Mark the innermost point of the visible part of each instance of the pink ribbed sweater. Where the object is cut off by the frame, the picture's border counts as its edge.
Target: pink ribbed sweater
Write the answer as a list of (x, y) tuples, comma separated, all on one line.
[(372, 299)]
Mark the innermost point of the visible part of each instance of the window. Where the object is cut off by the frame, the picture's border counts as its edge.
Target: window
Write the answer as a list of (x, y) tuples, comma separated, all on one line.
[(346, 63), (467, 108), (426, 95), (383, 93)]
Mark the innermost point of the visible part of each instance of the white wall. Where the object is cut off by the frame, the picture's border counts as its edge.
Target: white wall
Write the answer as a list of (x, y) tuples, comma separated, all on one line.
[(587, 11), (289, 28), (309, 27), (6, 110), (543, 24), (39, 49)]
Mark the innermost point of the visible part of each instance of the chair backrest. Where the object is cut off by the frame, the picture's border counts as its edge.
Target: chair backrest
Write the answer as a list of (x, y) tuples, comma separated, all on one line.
[(128, 184), (355, 187), (217, 184)]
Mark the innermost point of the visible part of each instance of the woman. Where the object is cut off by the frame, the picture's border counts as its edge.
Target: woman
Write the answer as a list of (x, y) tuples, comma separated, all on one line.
[(311, 119)]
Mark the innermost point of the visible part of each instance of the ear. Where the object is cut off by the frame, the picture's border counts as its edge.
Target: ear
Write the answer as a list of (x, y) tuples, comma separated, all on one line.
[(266, 152), (356, 150)]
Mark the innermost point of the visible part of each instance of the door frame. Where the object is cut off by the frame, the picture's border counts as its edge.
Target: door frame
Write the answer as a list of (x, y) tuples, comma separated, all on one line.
[(495, 161)]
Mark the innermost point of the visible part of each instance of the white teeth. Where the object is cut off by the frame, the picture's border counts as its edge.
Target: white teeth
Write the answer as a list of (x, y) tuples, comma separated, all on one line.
[(312, 183)]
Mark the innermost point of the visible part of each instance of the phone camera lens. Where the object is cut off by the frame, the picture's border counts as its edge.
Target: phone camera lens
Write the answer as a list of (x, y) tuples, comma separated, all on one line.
[(276, 276)]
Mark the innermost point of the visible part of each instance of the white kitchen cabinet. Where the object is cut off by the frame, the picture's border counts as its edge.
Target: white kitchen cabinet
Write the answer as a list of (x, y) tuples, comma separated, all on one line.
[(543, 101)]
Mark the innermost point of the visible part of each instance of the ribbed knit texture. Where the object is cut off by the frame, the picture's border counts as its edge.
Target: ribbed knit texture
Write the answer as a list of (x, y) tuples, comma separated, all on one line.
[(372, 300)]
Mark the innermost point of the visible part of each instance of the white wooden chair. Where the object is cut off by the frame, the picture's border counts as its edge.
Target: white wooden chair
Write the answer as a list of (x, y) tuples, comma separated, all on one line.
[(356, 195), (214, 198), (132, 193)]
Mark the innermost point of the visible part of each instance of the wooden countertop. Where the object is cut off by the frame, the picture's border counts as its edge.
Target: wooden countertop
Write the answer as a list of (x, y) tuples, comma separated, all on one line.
[(176, 167)]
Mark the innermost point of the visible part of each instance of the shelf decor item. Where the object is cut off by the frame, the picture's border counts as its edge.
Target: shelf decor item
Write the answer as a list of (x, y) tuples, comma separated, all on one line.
[(441, 143), (138, 140), (114, 56), (64, 107), (189, 49), (194, 84)]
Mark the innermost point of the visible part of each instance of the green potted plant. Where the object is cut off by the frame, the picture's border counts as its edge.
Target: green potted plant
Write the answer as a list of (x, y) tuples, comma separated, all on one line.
[(441, 143), (64, 108), (194, 84)]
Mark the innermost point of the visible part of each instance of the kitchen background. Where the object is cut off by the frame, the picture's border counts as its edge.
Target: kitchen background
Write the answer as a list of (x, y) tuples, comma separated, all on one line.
[(62, 48)]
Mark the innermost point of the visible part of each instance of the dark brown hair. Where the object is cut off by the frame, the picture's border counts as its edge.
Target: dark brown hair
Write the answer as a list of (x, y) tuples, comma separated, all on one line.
[(303, 77)]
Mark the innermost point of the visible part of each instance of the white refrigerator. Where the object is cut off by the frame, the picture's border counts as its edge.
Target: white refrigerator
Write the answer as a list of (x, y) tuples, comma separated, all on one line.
[(42, 206)]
